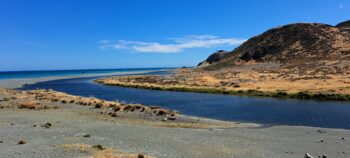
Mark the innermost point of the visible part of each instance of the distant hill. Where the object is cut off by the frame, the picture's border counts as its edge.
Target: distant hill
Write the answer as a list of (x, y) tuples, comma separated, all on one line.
[(344, 25), (290, 46)]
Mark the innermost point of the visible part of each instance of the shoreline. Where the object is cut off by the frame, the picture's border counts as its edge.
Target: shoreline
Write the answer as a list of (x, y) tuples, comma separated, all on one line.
[(154, 85), (19, 82), (75, 128), (302, 95)]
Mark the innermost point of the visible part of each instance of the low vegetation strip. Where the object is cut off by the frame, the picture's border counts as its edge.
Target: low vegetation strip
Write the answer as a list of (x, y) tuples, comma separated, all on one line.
[(219, 90)]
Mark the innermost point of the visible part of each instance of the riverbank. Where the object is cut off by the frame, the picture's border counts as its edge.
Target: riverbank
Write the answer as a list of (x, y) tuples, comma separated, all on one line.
[(18, 107), (51, 125), (243, 83)]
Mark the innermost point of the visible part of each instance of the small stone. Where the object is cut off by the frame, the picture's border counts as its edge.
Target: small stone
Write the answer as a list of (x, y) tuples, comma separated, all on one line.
[(114, 115), (98, 147), (86, 135), (140, 156), (22, 142), (324, 156), (342, 138), (307, 155), (321, 131), (321, 140), (98, 105), (165, 119), (172, 118), (46, 125), (1, 141)]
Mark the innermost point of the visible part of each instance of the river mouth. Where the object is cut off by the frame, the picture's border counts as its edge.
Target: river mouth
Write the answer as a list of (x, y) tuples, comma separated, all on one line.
[(267, 111)]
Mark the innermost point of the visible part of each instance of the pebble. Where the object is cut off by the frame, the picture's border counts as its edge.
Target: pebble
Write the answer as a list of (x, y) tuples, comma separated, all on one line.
[(98, 147), (46, 125), (86, 135), (307, 155), (22, 142), (140, 156)]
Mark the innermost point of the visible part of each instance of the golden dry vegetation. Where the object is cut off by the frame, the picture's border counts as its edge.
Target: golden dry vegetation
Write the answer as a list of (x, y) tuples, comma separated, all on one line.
[(243, 79)]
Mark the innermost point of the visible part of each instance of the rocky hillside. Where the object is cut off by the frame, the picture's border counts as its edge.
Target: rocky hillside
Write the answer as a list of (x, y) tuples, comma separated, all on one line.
[(344, 25), (215, 57), (290, 46)]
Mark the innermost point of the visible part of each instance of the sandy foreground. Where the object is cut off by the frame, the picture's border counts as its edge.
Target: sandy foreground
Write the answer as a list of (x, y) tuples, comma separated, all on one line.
[(73, 130)]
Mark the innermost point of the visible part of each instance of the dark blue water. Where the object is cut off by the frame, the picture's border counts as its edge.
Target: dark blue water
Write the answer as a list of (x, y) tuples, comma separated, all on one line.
[(50, 73), (268, 111)]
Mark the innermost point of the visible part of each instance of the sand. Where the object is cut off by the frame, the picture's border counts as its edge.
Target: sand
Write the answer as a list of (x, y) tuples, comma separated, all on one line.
[(71, 124)]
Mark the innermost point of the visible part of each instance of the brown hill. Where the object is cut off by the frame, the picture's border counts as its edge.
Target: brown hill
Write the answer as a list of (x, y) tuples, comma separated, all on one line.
[(292, 46), (344, 25)]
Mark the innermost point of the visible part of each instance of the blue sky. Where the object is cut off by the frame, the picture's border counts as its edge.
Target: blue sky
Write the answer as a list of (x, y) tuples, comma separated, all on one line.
[(87, 34)]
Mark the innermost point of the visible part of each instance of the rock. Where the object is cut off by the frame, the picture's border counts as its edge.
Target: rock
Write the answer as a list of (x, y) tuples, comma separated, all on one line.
[(324, 156), (164, 119), (46, 125), (307, 155), (5, 99), (321, 131), (172, 118), (1, 141), (321, 140), (140, 156), (98, 105), (86, 135), (114, 115), (22, 142), (98, 147)]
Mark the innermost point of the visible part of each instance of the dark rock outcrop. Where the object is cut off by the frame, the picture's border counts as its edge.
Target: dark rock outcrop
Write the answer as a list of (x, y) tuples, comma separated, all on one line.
[(215, 57)]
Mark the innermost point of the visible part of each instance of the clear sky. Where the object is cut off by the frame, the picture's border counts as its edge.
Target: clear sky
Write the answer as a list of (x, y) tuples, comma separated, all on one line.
[(89, 34)]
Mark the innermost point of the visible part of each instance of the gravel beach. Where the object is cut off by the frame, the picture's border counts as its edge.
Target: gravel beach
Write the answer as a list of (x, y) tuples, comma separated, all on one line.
[(79, 131)]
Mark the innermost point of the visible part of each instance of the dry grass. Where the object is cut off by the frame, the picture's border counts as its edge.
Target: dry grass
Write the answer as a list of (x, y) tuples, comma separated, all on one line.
[(29, 105), (105, 153), (240, 79)]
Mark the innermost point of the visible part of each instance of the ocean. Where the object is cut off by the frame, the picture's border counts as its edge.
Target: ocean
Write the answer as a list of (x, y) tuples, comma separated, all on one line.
[(55, 73)]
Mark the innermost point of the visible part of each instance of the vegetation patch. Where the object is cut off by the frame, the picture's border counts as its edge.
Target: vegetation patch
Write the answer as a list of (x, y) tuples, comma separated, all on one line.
[(249, 92)]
